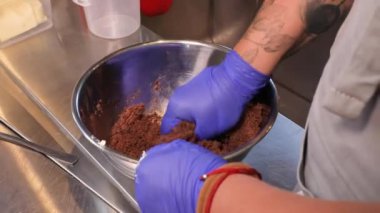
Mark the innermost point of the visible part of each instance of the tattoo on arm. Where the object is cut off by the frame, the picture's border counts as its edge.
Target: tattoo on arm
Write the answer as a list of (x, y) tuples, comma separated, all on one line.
[(267, 34), (320, 15)]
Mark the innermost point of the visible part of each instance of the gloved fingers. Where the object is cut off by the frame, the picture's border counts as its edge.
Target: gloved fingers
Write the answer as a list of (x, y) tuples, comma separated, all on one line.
[(168, 178), (172, 150), (166, 147), (204, 131), (159, 151), (217, 124), (169, 121), (177, 145)]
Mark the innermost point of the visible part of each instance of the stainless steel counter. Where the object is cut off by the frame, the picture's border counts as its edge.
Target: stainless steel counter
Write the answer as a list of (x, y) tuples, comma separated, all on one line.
[(37, 78)]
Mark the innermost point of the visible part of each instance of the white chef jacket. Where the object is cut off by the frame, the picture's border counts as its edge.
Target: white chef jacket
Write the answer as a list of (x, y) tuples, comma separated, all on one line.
[(341, 155)]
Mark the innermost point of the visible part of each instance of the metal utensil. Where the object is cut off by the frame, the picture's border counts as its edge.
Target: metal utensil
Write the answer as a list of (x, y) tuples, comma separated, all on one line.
[(64, 157)]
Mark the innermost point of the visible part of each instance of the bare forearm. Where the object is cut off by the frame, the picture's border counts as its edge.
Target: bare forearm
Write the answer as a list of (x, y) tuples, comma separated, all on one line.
[(282, 24), (241, 193)]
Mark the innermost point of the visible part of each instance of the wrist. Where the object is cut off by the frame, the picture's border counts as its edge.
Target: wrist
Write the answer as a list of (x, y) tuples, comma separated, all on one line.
[(243, 75), (214, 179)]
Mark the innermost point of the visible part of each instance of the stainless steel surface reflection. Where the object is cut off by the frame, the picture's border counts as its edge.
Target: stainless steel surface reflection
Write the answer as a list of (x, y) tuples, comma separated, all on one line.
[(43, 70), (32, 183), (61, 156), (146, 73)]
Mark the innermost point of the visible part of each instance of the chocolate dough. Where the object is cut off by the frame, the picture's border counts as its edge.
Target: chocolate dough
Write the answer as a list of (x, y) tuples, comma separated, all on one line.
[(135, 132)]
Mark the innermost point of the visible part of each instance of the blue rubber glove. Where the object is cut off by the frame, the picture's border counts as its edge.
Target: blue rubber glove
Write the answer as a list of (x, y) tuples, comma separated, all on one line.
[(214, 100), (168, 177)]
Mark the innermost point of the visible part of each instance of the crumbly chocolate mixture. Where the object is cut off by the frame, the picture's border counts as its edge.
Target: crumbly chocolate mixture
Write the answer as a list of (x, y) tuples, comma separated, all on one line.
[(135, 132)]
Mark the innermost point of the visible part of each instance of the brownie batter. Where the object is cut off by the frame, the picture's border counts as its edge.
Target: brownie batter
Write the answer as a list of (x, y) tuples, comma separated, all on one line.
[(135, 131)]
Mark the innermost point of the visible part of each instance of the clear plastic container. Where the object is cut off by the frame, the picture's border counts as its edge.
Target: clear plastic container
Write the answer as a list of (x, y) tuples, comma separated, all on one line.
[(20, 19), (111, 19)]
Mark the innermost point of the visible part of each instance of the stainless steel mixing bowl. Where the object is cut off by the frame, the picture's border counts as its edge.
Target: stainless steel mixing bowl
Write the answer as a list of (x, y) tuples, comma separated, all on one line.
[(130, 75)]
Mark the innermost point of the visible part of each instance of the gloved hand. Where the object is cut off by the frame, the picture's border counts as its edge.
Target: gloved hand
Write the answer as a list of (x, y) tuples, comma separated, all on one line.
[(214, 100), (168, 177)]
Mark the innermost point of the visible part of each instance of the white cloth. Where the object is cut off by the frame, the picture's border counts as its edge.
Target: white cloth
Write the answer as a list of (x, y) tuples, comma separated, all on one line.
[(342, 145)]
